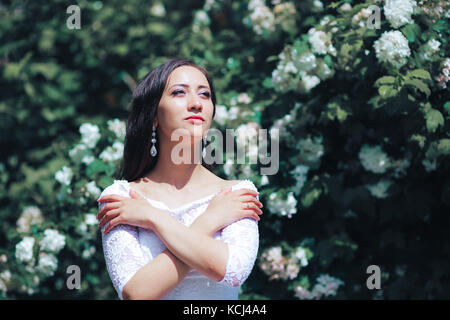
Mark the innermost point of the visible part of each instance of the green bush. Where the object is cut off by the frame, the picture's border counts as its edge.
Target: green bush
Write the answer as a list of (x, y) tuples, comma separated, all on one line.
[(361, 106)]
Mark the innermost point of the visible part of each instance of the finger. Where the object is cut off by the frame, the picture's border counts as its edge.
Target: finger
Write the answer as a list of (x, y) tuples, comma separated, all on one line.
[(108, 216), (110, 198), (241, 192), (111, 224), (106, 208), (251, 206), (247, 198), (250, 214), (135, 195)]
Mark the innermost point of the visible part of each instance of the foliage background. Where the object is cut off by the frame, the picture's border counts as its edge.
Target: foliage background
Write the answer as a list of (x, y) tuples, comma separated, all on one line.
[(364, 145)]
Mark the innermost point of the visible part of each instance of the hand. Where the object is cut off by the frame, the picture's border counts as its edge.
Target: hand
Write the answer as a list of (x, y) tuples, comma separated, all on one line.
[(123, 210), (227, 207)]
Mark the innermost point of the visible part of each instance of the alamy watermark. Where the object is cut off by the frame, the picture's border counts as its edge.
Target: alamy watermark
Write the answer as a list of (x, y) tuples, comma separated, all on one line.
[(256, 141)]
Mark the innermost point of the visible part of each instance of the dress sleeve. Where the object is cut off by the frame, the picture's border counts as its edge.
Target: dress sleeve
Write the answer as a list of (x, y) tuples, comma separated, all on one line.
[(242, 238), (121, 248)]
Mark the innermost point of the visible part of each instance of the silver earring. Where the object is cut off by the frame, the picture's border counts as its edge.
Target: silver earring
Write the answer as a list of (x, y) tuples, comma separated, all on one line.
[(204, 149), (153, 151)]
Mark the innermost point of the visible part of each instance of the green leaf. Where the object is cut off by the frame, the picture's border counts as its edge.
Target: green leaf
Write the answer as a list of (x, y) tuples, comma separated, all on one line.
[(419, 73), (444, 146), (411, 32), (384, 80), (434, 119), (447, 107), (419, 84), (387, 92)]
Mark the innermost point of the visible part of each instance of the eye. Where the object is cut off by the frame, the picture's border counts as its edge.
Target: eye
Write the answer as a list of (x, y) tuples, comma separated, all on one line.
[(177, 91), (207, 94)]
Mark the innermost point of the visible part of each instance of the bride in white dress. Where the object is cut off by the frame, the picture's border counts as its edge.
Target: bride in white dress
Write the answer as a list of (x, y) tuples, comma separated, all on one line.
[(175, 230)]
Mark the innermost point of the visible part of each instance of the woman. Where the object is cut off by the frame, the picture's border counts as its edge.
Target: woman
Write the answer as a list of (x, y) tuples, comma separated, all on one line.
[(202, 245)]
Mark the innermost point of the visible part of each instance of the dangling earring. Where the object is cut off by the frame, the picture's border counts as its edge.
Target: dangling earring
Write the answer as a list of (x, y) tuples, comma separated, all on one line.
[(153, 151), (204, 149)]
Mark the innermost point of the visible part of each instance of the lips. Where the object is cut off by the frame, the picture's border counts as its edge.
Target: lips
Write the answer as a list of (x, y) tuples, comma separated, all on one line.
[(195, 117)]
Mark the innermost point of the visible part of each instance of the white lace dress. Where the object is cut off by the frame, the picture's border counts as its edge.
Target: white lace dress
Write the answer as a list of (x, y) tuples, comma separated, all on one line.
[(128, 248)]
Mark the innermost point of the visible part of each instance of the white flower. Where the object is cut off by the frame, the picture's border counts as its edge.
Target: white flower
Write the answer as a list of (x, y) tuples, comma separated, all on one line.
[(87, 159), (317, 5), (227, 167), (233, 113), (300, 174), (302, 293), (90, 134), (112, 153), (283, 207), (309, 81), (261, 16), (392, 48), (30, 216), (221, 114), (398, 12), (53, 241), (64, 175), (361, 17), (201, 18), (430, 48), (24, 249), (305, 62), (78, 152), (93, 189), (247, 132), (346, 7), (118, 127), (264, 180), (158, 9), (374, 159), (279, 129), (48, 263), (87, 253), (321, 42), (300, 254), (90, 219), (379, 190), (326, 286)]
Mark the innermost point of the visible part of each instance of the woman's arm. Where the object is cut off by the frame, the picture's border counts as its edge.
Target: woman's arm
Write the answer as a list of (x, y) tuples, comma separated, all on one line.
[(132, 275), (196, 249), (164, 273)]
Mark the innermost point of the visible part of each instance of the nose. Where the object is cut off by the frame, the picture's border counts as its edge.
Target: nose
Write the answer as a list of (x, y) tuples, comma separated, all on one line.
[(195, 103)]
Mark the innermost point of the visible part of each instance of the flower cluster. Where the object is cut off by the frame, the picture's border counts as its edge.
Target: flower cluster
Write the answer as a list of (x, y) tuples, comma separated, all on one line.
[(112, 153), (53, 241), (300, 70), (261, 17), (398, 12), (64, 176), (374, 159), (392, 49), (311, 150), (31, 215), (300, 174), (326, 286), (321, 42), (284, 207), (278, 266), (430, 48), (444, 76), (379, 190)]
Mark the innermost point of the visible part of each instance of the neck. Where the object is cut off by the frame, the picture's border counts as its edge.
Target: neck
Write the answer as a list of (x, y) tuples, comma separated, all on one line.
[(168, 170)]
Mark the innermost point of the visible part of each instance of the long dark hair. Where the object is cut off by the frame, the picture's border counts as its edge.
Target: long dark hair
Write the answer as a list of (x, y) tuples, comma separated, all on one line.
[(136, 160)]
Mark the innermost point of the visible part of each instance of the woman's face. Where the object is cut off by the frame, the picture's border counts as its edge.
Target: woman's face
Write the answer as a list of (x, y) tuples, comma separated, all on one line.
[(187, 93)]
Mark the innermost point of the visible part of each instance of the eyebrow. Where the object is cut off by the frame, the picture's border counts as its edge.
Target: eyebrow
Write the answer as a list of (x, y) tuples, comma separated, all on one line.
[(187, 86)]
